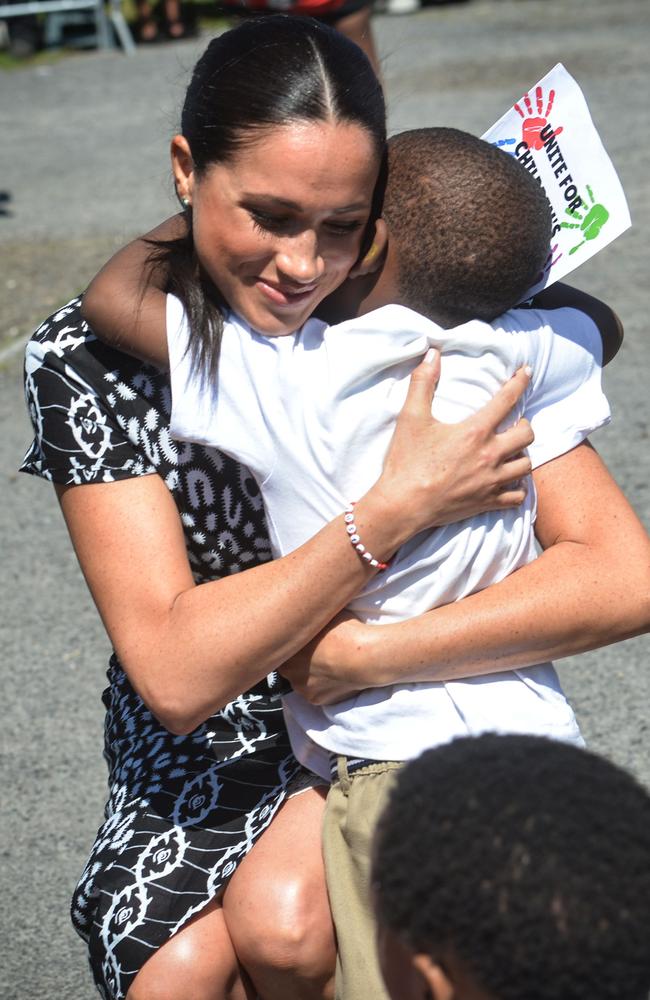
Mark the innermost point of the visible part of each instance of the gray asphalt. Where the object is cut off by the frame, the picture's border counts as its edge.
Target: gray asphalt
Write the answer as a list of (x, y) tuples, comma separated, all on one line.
[(84, 163)]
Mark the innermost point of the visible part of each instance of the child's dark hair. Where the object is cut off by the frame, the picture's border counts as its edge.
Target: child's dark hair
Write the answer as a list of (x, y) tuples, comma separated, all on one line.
[(272, 71), (525, 859), (471, 226)]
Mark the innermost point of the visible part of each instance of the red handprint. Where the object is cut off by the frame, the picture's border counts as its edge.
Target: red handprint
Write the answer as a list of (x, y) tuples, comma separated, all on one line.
[(532, 126)]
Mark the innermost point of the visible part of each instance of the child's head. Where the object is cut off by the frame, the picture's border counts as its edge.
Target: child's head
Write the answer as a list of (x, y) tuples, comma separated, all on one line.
[(469, 228), (514, 868)]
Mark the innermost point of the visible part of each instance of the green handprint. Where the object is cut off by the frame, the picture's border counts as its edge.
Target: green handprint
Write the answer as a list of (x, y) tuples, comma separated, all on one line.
[(590, 223)]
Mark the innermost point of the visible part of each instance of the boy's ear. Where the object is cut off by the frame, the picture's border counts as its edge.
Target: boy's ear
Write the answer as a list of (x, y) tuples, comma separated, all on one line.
[(374, 257), (183, 169), (437, 984)]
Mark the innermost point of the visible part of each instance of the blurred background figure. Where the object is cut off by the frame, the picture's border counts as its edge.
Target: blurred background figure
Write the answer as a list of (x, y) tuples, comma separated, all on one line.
[(166, 21), (514, 866), (350, 17), (399, 6), (23, 35), (409, 6)]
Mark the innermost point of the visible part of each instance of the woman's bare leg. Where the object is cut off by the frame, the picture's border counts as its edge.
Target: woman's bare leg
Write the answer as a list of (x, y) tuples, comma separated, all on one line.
[(197, 963), (275, 913), (173, 19), (276, 906)]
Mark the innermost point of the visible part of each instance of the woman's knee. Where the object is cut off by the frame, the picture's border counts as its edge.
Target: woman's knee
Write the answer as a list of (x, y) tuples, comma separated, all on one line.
[(287, 927), (276, 904), (284, 925)]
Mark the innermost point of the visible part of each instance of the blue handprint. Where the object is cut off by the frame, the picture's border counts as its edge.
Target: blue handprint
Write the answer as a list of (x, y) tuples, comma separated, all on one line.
[(506, 142)]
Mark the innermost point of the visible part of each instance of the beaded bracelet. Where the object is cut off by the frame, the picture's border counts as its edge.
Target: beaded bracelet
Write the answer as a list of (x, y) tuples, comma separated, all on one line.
[(353, 533)]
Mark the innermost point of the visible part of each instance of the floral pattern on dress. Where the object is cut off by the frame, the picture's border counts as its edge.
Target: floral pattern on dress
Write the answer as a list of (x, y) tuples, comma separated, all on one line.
[(182, 811)]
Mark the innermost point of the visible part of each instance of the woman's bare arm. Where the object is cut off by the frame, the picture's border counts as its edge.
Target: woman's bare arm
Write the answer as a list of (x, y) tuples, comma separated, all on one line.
[(590, 587), (188, 649), (125, 302)]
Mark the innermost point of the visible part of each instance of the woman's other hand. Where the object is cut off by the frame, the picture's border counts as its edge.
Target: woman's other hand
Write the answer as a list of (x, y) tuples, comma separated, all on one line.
[(325, 670)]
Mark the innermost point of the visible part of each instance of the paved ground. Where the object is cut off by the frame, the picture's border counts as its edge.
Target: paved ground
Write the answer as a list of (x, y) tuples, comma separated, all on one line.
[(83, 163)]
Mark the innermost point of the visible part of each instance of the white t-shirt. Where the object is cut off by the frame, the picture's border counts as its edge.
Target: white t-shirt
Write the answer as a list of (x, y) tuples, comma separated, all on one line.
[(311, 415)]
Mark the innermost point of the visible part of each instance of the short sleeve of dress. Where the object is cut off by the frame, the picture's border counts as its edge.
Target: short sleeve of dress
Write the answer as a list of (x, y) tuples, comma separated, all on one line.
[(89, 414), (100, 416)]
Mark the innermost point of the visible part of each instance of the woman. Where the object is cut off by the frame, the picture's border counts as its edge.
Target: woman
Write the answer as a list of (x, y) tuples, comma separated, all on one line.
[(198, 770)]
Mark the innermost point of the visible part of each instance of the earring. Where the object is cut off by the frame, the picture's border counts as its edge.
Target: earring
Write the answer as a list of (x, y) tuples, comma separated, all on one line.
[(185, 201), (371, 254)]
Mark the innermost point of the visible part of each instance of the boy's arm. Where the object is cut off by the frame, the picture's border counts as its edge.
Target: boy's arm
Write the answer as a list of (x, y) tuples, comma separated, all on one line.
[(125, 302), (609, 325)]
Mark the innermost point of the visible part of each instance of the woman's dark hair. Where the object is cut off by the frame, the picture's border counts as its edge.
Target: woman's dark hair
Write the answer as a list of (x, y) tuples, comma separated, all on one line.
[(271, 71)]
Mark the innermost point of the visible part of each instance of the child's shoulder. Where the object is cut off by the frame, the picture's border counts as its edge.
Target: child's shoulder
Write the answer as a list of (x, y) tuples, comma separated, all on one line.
[(563, 347), (550, 329), (533, 320)]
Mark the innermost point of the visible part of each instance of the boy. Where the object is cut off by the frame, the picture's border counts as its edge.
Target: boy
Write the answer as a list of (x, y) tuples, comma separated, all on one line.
[(514, 868), (311, 415)]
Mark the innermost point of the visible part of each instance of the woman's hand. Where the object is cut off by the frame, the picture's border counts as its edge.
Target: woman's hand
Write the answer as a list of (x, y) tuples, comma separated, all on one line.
[(437, 473), (323, 672)]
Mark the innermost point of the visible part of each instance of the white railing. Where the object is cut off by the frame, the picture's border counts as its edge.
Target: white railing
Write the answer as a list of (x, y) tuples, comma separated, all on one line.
[(103, 21)]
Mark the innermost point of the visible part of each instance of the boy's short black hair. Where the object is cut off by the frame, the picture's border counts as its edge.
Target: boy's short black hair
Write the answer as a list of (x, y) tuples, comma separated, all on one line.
[(526, 859), (471, 226)]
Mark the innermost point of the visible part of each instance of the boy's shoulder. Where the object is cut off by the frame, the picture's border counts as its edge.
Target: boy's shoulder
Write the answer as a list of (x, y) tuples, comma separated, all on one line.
[(557, 330)]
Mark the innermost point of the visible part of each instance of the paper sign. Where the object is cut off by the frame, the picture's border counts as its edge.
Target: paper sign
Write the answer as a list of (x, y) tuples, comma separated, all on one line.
[(551, 133)]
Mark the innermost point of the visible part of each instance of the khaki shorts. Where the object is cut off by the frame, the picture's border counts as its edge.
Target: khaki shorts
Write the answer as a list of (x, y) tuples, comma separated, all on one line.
[(354, 803)]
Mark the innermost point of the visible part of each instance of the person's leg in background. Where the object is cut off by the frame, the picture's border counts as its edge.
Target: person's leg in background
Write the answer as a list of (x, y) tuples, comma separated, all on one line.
[(24, 35), (151, 27), (351, 17), (356, 25)]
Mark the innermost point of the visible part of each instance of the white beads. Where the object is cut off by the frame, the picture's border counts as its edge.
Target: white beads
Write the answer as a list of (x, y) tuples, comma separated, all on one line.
[(355, 539)]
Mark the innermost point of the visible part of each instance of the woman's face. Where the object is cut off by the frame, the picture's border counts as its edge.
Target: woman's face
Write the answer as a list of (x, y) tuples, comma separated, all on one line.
[(279, 225)]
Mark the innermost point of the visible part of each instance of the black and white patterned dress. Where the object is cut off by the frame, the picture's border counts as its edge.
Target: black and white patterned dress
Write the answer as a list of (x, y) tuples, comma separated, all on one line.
[(182, 810)]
